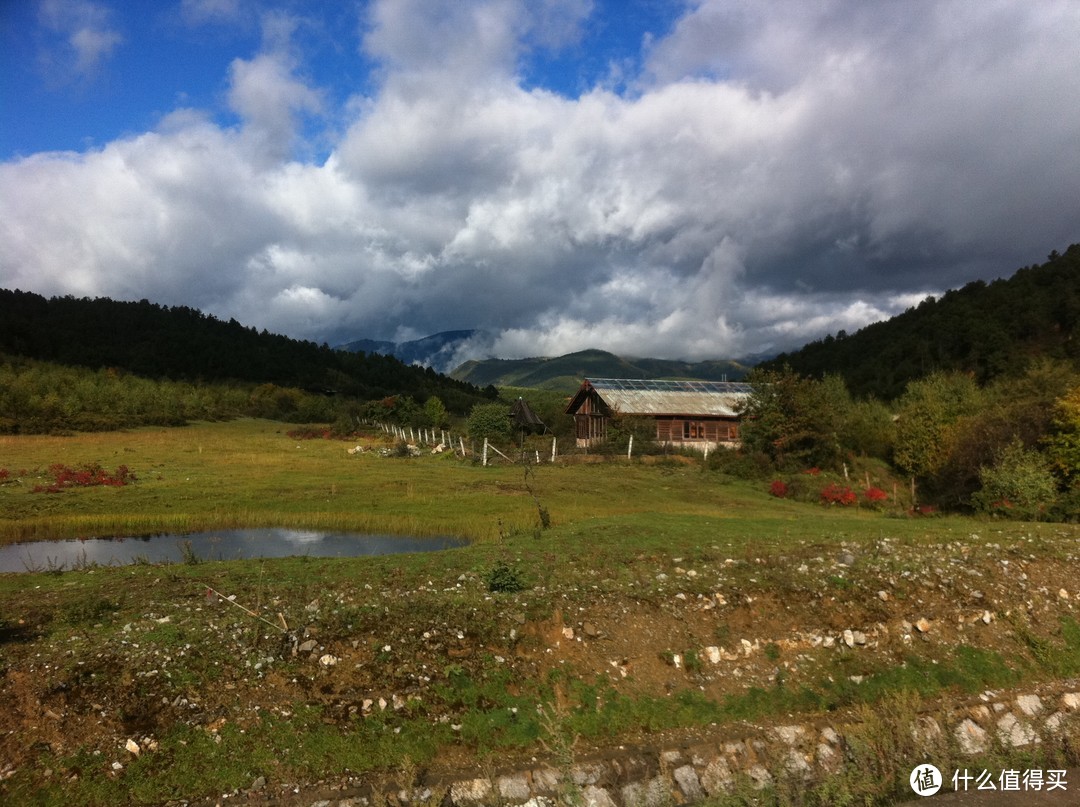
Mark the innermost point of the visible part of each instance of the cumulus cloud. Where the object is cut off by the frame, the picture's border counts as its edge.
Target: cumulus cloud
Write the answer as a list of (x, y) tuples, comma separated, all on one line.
[(776, 172)]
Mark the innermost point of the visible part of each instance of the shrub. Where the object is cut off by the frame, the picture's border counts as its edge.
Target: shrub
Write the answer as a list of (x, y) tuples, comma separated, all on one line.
[(504, 578), (1018, 485), (875, 497), (88, 476), (779, 489), (834, 494)]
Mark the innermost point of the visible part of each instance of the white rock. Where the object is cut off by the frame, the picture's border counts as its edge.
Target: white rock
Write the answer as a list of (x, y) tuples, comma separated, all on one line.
[(1030, 705), (717, 777), (1015, 733), (713, 654), (849, 638), (593, 796), (328, 660), (922, 625), (1071, 700), (1063, 593), (971, 736), (470, 791), (133, 747)]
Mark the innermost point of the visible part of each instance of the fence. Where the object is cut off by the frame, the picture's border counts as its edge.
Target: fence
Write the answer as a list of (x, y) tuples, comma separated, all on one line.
[(448, 441)]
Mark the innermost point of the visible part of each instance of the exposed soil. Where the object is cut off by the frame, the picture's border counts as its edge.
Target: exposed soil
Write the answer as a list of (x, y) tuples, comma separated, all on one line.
[(133, 662)]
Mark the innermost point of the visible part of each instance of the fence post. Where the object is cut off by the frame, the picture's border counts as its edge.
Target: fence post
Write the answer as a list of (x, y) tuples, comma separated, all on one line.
[(554, 440), (483, 461), (630, 447), (461, 442)]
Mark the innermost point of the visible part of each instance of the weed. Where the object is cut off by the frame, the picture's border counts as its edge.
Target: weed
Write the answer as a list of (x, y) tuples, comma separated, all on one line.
[(505, 579), (188, 556)]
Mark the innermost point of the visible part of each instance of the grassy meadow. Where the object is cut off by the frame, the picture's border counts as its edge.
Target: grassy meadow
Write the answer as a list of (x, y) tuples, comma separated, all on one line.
[(642, 549)]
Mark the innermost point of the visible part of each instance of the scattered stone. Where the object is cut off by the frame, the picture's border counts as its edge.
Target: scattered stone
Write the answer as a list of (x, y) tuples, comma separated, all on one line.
[(845, 559), (568, 633), (883, 596), (259, 783), (860, 637), (590, 630), (828, 641), (116, 766), (712, 654), (328, 660), (132, 747), (987, 617), (1071, 700), (849, 638), (308, 646), (1063, 594), (922, 625)]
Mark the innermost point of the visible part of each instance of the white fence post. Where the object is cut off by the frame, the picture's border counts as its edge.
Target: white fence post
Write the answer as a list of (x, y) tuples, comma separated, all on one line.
[(554, 440), (630, 447), (484, 460)]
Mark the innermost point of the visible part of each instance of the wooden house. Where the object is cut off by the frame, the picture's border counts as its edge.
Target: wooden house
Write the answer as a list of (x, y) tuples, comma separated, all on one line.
[(697, 414)]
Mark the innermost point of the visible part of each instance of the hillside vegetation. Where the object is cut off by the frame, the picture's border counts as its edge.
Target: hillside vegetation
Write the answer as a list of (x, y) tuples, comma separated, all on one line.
[(987, 329), (68, 363), (564, 373)]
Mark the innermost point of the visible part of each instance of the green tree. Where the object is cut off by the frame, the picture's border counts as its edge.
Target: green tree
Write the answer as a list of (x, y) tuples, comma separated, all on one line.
[(795, 421), (1063, 442), (436, 412), (927, 410), (491, 420), (1019, 484)]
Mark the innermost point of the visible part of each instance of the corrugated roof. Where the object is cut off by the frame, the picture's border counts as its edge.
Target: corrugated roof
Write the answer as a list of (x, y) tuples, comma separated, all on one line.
[(653, 397)]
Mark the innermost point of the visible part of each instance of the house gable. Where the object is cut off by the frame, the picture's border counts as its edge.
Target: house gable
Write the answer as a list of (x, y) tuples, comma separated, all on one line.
[(698, 413)]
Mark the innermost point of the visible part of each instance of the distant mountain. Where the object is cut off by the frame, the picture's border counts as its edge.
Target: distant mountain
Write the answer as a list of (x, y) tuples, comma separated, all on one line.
[(564, 373), (986, 329), (437, 351)]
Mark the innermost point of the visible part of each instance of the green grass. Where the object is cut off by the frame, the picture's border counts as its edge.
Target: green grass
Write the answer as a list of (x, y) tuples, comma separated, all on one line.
[(614, 526)]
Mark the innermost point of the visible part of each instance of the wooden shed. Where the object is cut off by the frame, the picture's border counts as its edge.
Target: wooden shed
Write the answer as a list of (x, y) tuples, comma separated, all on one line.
[(698, 414)]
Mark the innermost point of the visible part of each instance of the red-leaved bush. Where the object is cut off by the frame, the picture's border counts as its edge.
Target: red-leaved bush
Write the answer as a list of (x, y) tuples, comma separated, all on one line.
[(875, 495), (834, 494), (88, 476), (778, 489)]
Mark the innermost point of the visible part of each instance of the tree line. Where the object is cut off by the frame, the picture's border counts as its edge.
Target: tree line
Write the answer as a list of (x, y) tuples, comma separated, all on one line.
[(185, 347), (989, 330)]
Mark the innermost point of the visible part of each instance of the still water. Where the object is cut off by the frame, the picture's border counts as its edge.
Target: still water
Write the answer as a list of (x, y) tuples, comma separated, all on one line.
[(216, 545)]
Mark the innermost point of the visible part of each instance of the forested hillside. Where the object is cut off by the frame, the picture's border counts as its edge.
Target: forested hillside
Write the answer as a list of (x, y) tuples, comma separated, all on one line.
[(564, 373), (991, 330), (183, 344)]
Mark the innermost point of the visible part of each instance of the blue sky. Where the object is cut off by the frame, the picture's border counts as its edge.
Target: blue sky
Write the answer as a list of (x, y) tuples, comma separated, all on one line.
[(708, 178)]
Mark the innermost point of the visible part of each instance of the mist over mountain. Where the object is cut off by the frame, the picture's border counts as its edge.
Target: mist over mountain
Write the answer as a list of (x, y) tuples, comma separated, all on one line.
[(441, 351)]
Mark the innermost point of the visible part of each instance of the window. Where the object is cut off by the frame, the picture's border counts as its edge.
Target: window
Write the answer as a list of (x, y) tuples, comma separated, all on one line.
[(693, 430)]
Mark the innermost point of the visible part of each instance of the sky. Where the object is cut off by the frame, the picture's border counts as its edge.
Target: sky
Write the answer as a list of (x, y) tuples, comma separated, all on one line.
[(674, 178)]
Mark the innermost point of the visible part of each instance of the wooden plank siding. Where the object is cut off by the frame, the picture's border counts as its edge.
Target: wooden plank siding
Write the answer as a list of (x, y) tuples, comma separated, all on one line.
[(713, 421)]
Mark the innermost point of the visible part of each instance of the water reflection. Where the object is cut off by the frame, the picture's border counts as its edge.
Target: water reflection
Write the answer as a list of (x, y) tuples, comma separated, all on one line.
[(216, 545)]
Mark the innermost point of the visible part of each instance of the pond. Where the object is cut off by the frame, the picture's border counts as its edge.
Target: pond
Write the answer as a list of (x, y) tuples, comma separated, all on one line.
[(217, 545)]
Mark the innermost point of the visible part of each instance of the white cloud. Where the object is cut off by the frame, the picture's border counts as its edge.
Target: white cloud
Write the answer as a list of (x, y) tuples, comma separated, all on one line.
[(86, 38), (775, 175)]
